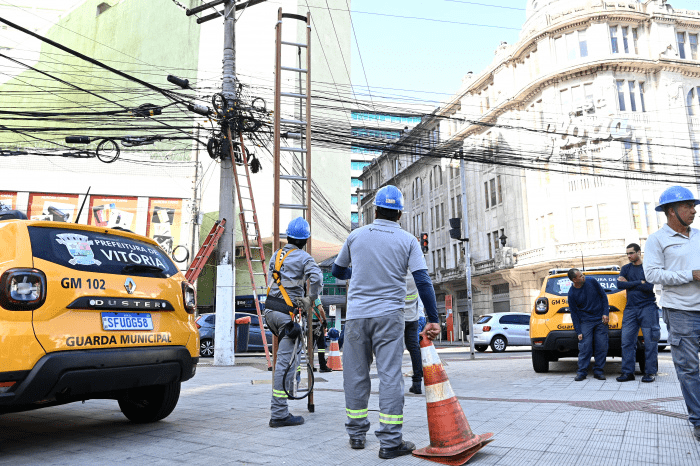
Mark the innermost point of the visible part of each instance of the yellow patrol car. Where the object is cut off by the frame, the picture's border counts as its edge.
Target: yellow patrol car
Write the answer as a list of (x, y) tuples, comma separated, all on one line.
[(91, 312), (551, 329)]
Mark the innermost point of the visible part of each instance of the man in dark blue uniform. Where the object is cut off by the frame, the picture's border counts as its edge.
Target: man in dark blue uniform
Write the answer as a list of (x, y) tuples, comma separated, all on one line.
[(589, 314), (640, 312)]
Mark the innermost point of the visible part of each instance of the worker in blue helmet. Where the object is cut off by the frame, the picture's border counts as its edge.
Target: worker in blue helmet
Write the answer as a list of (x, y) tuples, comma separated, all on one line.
[(672, 259), (290, 268), (380, 254)]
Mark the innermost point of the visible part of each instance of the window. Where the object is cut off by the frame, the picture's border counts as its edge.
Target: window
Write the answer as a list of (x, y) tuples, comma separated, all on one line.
[(355, 183), (648, 214), (488, 240), (641, 96), (455, 254), (353, 199), (439, 258), (354, 218), (625, 34), (621, 94), (577, 221), (613, 39), (633, 100), (582, 44), (636, 217), (680, 39), (603, 220), (571, 46), (590, 222), (376, 133), (486, 193), (442, 214), (693, 41), (494, 235), (500, 191), (492, 183), (565, 100), (692, 101)]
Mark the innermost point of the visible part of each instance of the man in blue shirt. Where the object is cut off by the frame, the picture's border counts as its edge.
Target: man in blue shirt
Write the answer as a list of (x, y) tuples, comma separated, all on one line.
[(640, 312), (380, 254), (589, 313)]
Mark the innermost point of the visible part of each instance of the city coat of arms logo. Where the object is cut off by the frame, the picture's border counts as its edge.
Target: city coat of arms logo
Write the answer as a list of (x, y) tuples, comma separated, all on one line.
[(79, 248)]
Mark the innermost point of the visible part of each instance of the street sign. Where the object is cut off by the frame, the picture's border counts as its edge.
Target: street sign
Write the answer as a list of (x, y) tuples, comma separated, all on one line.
[(331, 310), (328, 278)]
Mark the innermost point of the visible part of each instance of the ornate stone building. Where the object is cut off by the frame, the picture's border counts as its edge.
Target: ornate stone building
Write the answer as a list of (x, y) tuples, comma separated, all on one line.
[(570, 136)]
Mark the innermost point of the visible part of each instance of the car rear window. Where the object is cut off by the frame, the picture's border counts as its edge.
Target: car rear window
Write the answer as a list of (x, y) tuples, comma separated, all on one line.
[(90, 251), (560, 285), (483, 319)]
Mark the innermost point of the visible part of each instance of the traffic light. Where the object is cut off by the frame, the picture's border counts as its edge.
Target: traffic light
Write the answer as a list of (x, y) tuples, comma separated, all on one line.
[(456, 228), (424, 242)]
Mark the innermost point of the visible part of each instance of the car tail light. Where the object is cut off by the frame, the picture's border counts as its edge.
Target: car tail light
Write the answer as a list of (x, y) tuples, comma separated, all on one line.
[(538, 342), (6, 386), (22, 289), (542, 305), (189, 297), (486, 328)]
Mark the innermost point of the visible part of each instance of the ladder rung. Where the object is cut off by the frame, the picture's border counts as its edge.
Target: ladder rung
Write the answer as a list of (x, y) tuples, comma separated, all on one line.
[(289, 68), (292, 94), (293, 122), (293, 206), (293, 177), (293, 149), (295, 44)]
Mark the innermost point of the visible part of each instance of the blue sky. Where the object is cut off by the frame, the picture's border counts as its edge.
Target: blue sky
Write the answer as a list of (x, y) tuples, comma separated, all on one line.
[(433, 56)]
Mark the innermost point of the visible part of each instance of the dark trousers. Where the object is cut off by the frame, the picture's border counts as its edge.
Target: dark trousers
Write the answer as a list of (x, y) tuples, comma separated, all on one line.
[(595, 341), (320, 340), (410, 337)]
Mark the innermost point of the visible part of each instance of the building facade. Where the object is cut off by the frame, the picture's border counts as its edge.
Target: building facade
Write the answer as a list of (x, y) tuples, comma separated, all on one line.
[(570, 135)]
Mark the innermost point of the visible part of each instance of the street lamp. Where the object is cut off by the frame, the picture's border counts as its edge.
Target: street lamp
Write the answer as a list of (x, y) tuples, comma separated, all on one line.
[(503, 239)]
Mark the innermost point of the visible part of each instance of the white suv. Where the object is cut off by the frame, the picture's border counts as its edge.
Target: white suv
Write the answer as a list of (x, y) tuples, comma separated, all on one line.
[(502, 329)]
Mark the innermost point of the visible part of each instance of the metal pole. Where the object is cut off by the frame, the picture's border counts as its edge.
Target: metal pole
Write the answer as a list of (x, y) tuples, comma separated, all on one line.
[(308, 130), (195, 213), (224, 336), (468, 267)]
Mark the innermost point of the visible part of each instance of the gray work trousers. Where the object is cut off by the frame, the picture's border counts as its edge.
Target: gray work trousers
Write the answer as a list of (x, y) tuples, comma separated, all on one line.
[(382, 336), (684, 337), (285, 350)]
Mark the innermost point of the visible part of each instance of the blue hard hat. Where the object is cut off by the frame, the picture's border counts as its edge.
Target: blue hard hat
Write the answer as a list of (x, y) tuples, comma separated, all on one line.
[(675, 194), (389, 197), (298, 229), (333, 334)]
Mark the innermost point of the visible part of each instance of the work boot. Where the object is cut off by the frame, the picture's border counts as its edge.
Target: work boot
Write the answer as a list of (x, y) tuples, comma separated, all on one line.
[(648, 378), (415, 388), (625, 378), (580, 377), (406, 448), (326, 369), (287, 421)]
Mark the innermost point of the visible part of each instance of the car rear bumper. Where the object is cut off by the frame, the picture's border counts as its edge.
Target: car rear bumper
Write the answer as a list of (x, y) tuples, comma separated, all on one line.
[(77, 375), (566, 341)]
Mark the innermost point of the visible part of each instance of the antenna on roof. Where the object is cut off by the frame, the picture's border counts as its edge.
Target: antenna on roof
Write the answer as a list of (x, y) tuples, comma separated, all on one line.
[(82, 205), (583, 264)]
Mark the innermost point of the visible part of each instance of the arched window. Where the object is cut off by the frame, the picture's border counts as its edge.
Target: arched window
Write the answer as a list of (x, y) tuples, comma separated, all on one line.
[(692, 101)]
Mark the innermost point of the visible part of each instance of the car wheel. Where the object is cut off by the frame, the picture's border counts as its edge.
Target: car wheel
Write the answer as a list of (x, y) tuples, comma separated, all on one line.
[(662, 347), (206, 348), (498, 344), (540, 361), (481, 348), (149, 404)]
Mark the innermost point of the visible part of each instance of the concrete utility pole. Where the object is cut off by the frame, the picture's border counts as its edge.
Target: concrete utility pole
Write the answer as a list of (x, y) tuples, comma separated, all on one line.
[(467, 254), (224, 336)]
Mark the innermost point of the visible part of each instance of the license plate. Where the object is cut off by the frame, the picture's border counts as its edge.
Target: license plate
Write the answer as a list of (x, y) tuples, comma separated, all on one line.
[(126, 321)]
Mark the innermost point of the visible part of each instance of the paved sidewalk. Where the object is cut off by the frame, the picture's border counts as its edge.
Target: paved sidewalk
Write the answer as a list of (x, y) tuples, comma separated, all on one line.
[(222, 417)]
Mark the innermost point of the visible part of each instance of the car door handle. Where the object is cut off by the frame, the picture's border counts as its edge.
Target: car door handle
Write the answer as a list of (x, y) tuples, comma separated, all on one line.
[(505, 328)]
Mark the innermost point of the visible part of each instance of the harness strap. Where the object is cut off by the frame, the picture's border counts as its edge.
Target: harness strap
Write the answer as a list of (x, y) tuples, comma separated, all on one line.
[(279, 260)]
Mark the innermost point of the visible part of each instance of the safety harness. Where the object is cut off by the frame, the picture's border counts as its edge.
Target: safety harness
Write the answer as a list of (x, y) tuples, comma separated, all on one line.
[(279, 260)]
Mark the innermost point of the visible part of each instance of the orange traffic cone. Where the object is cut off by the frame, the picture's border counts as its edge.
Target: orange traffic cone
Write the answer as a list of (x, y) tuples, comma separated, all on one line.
[(334, 361), (451, 439)]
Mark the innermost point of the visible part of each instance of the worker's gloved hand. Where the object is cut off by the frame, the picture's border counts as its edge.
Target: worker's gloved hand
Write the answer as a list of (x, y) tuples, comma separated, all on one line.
[(291, 330), (304, 303)]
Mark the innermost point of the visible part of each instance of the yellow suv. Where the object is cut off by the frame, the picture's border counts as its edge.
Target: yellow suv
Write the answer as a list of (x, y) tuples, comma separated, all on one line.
[(551, 329), (90, 312)]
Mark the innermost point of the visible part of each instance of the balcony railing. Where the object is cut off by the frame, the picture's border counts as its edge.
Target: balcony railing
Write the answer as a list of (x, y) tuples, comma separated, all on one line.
[(553, 251)]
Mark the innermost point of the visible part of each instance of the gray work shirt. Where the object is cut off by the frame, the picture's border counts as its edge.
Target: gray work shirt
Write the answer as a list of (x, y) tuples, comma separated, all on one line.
[(410, 310), (298, 267), (669, 260), (380, 255)]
